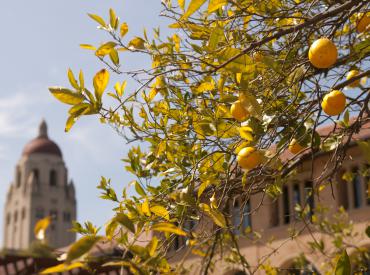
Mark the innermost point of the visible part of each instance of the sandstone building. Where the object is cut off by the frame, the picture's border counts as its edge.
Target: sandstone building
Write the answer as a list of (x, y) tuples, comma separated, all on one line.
[(40, 188)]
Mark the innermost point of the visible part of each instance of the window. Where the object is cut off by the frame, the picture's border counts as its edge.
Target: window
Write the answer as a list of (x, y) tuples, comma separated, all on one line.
[(15, 216), (8, 219), (356, 184), (247, 222), (367, 187), (54, 214), (66, 216), (39, 213), (274, 213), (235, 212), (36, 174), (23, 213), (342, 192), (296, 197), (240, 216), (286, 205), (53, 178)]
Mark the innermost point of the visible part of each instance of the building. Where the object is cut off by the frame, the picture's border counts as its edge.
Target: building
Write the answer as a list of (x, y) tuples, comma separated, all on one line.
[(40, 188), (274, 219)]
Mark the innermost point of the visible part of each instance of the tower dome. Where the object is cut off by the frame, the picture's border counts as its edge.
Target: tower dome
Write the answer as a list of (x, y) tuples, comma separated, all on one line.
[(42, 144)]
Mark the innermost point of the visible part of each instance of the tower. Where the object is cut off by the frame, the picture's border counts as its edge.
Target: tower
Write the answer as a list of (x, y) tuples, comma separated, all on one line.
[(40, 188)]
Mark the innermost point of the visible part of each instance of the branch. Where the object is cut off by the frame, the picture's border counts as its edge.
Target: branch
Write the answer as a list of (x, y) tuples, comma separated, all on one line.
[(349, 81)]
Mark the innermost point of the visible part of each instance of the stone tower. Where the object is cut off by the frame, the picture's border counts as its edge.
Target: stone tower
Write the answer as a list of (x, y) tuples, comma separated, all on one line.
[(40, 188)]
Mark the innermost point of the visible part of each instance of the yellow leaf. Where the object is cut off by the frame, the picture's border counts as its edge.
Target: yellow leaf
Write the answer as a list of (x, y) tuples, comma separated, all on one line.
[(181, 4), (66, 96), (72, 79), (81, 247), (215, 5), (168, 228), (206, 86), (87, 47), (250, 103), (203, 187), (177, 40), (105, 49), (137, 43), (112, 18), (160, 211), (145, 208), (246, 133), (152, 246), (100, 82), (123, 29), (70, 122), (98, 19), (193, 7), (217, 217), (153, 92), (113, 55), (62, 268), (41, 227)]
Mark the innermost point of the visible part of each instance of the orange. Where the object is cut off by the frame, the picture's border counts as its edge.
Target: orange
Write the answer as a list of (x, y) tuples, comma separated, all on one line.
[(352, 74), (334, 103), (363, 23), (238, 111), (295, 147), (323, 53), (249, 158)]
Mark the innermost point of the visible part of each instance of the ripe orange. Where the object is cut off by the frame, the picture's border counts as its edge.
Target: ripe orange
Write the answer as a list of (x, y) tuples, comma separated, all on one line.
[(363, 23), (238, 111), (295, 147), (323, 53), (352, 74), (334, 103), (249, 158)]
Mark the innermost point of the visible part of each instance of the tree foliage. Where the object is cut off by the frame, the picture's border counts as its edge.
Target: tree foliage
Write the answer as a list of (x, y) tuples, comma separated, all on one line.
[(220, 52)]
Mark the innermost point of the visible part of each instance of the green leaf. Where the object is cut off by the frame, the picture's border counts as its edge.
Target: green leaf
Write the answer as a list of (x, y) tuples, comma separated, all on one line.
[(98, 19), (125, 221), (139, 189), (168, 228), (62, 268), (100, 82), (81, 247), (160, 211), (66, 96), (343, 266), (193, 7), (72, 80), (215, 5)]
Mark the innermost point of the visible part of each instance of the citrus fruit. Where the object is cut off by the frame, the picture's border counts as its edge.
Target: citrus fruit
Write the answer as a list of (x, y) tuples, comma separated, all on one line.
[(352, 74), (238, 111), (295, 147), (249, 158), (363, 23), (323, 53), (334, 103)]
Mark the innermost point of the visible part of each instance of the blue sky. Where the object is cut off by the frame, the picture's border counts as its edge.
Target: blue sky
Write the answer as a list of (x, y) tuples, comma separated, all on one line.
[(39, 42)]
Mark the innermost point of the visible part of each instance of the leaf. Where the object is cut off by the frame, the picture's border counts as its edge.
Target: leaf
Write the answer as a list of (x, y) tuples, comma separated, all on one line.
[(152, 246), (343, 266), (69, 123), (137, 43), (145, 208), (112, 18), (216, 36), (160, 211), (66, 96), (124, 220), (203, 187), (251, 104), (82, 80), (193, 7), (215, 5), (139, 189), (98, 19), (72, 79), (81, 247), (105, 49), (100, 82), (217, 217), (40, 228), (62, 268), (123, 29), (168, 228), (113, 54), (87, 47), (242, 64), (110, 228), (181, 4), (177, 40)]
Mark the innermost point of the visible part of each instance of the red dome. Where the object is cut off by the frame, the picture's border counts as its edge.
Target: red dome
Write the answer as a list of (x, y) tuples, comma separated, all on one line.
[(42, 144)]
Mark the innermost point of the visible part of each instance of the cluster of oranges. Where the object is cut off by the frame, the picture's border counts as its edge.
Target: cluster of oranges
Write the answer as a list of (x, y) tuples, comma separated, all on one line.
[(322, 54)]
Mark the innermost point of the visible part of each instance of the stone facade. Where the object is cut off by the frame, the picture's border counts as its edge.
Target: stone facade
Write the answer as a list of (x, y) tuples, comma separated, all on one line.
[(40, 188)]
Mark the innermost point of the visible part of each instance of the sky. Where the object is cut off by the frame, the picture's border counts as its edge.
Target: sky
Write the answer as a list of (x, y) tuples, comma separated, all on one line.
[(39, 42)]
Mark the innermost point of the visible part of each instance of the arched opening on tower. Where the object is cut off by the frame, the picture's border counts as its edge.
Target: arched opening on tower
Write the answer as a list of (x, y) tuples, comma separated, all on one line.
[(53, 178)]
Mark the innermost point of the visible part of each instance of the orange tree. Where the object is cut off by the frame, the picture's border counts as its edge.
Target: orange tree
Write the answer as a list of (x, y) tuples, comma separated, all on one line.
[(236, 79)]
